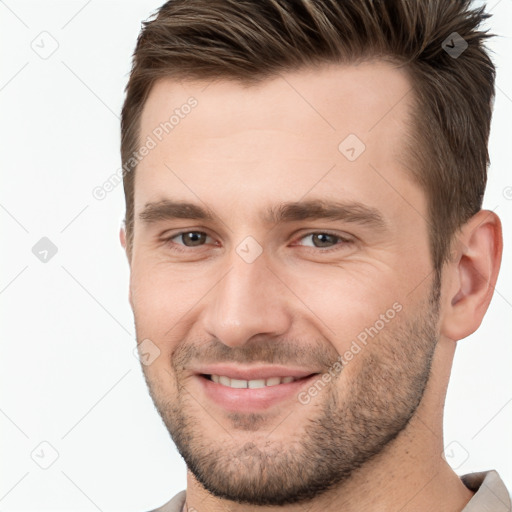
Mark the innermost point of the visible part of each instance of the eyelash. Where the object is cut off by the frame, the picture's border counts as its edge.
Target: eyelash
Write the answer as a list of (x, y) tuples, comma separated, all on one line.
[(341, 241)]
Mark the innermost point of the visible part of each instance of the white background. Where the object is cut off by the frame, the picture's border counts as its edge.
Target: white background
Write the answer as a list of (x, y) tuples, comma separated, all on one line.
[(68, 374)]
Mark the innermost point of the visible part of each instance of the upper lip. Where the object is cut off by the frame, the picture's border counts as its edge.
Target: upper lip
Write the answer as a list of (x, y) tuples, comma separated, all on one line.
[(254, 372)]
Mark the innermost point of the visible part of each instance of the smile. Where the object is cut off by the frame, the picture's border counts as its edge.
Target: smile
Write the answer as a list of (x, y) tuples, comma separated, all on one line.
[(251, 384), (251, 389)]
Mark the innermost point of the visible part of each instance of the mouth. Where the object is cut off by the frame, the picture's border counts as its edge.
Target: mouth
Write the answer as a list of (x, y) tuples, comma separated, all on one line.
[(224, 380), (237, 389)]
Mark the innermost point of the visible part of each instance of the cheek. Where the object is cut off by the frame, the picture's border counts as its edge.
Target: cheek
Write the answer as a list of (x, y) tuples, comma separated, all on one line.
[(161, 294), (159, 303), (345, 303)]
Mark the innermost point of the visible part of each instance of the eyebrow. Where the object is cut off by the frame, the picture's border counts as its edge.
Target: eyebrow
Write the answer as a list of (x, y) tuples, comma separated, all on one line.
[(168, 210), (325, 210), (316, 209)]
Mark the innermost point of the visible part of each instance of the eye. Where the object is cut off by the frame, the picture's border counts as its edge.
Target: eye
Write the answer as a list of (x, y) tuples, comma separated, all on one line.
[(322, 240), (188, 239), (317, 240)]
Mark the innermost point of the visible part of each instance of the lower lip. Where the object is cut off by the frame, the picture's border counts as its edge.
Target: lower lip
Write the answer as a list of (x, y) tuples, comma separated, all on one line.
[(250, 400)]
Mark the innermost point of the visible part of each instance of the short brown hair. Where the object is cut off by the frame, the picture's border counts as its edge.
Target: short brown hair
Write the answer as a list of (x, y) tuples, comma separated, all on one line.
[(252, 40)]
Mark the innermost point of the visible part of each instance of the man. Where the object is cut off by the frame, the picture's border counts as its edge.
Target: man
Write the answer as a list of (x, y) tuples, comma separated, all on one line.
[(303, 184)]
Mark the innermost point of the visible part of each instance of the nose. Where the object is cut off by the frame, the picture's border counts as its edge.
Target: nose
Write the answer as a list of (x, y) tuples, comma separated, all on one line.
[(248, 301)]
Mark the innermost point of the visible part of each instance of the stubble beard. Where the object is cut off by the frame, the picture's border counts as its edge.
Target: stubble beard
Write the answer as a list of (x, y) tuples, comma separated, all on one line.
[(348, 423)]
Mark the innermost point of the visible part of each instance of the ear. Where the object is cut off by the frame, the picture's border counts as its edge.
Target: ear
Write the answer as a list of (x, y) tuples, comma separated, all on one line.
[(471, 275), (122, 239), (122, 236)]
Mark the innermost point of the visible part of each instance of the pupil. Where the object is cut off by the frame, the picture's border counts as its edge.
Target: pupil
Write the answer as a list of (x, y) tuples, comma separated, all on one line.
[(193, 238), (323, 239)]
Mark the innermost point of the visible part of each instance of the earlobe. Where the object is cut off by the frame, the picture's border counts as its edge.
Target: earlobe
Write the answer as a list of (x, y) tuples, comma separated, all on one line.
[(473, 274)]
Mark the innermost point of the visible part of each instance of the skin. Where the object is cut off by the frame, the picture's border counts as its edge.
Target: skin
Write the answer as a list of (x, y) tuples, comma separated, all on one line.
[(240, 150)]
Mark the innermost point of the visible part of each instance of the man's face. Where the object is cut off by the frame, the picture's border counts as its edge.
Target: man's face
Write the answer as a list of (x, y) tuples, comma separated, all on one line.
[(242, 298)]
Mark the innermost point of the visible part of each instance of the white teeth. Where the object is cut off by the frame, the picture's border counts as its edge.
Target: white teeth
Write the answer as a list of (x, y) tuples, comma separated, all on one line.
[(237, 383), (225, 381), (253, 384)]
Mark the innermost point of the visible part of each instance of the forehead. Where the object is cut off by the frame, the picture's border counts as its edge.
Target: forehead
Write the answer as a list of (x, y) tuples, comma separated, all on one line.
[(278, 139)]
